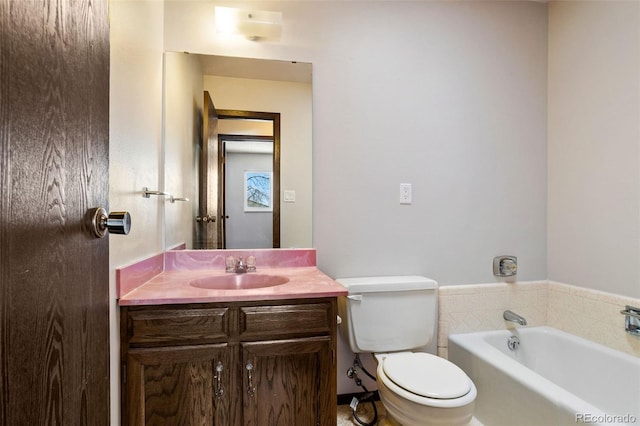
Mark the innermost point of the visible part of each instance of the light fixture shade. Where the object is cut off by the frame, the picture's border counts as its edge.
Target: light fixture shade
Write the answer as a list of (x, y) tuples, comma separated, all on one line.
[(253, 24)]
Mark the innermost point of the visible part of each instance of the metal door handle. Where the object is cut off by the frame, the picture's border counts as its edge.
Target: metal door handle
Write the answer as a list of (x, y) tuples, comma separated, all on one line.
[(205, 219), (251, 390), (219, 391), (114, 222)]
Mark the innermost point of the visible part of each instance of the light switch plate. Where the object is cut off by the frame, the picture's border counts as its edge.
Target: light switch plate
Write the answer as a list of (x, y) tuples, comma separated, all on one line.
[(289, 196)]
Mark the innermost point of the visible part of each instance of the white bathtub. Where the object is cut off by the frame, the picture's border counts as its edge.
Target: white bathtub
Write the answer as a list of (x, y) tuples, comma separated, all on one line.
[(553, 378)]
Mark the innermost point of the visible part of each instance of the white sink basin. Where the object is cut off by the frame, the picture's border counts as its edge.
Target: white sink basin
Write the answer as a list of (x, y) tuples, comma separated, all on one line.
[(239, 281)]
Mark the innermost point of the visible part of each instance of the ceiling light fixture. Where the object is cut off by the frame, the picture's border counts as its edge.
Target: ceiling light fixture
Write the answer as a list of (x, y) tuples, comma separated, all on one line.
[(252, 24)]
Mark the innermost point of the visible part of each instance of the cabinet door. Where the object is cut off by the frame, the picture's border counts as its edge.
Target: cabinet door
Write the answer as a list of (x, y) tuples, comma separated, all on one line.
[(289, 382), (182, 385)]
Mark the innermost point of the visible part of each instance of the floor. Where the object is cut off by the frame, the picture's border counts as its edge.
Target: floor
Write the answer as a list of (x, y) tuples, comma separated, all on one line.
[(365, 413)]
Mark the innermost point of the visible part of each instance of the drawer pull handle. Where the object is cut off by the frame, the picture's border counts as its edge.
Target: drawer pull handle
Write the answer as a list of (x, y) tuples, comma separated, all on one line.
[(251, 390), (219, 391)]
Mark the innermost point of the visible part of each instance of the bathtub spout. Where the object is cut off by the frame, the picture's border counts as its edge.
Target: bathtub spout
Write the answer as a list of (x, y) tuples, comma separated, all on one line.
[(513, 317)]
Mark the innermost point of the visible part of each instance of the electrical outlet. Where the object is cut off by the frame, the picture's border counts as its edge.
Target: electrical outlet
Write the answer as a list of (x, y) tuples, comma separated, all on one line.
[(405, 193)]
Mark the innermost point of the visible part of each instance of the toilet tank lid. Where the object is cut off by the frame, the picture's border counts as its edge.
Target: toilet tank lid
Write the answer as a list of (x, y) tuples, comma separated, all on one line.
[(387, 283)]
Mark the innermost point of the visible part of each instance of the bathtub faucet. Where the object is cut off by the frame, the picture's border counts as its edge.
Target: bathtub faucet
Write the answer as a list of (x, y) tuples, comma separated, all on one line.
[(513, 317)]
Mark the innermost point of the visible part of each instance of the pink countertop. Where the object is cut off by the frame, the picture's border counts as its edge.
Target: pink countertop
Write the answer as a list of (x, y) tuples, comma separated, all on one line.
[(172, 287), (172, 284)]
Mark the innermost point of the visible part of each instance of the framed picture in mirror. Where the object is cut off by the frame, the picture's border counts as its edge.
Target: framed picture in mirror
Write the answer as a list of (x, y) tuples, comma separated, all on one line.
[(258, 191)]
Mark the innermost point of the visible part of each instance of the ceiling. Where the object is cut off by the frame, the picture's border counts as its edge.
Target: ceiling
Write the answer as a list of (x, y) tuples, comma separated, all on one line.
[(259, 69)]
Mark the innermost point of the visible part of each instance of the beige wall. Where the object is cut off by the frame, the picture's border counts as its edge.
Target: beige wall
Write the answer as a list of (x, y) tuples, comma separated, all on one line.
[(135, 146), (183, 100)]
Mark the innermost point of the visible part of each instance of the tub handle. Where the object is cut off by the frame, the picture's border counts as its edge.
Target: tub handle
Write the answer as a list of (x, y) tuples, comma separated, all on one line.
[(631, 312), (631, 320)]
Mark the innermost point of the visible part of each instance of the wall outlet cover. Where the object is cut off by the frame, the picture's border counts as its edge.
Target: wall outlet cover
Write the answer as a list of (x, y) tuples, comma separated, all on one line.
[(405, 193)]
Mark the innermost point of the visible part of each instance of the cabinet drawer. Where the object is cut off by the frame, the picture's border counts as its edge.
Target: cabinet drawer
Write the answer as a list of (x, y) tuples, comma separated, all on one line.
[(280, 321), (180, 325)]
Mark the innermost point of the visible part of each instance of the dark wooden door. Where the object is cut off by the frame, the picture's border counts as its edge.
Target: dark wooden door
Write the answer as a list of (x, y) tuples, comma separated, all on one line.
[(54, 136), (209, 232), (290, 382)]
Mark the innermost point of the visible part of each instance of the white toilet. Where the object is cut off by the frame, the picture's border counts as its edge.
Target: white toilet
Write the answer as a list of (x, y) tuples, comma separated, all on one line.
[(392, 317)]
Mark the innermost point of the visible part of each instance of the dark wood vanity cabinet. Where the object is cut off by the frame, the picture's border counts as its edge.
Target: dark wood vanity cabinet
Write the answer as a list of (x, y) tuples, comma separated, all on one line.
[(236, 363)]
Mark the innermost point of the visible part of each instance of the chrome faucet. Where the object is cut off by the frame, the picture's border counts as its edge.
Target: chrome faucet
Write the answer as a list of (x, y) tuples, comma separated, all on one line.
[(240, 266), (513, 317)]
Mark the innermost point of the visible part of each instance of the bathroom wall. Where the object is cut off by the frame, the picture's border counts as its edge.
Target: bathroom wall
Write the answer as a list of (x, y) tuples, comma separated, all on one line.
[(183, 99), (593, 185), (594, 145), (135, 139), (451, 100), (136, 125)]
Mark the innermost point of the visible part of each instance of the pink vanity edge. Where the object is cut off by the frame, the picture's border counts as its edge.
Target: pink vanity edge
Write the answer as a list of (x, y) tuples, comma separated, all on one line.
[(156, 271)]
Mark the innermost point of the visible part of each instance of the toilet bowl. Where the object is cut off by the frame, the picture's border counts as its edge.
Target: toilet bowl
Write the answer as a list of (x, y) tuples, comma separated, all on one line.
[(420, 389)]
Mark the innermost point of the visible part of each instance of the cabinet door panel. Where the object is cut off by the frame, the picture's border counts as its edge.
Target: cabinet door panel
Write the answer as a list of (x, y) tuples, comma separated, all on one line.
[(177, 385), (292, 382)]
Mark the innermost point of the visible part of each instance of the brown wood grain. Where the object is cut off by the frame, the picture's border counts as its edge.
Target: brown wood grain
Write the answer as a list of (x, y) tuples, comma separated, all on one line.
[(54, 330), (209, 235), (287, 380), (175, 386)]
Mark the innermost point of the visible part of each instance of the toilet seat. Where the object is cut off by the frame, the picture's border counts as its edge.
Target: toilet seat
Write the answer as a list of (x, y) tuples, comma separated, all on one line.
[(427, 375)]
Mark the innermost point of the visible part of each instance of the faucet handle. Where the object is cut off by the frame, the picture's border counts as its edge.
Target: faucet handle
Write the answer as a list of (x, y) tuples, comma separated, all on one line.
[(230, 264), (251, 264)]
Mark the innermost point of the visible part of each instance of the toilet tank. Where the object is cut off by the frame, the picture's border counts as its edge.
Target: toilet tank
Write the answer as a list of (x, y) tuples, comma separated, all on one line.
[(388, 314)]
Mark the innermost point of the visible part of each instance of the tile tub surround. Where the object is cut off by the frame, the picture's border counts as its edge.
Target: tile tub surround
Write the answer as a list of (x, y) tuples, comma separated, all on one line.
[(587, 313), (145, 284), (592, 314)]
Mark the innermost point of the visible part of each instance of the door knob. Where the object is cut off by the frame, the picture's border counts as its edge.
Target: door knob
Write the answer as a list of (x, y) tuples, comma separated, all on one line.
[(205, 219), (114, 222)]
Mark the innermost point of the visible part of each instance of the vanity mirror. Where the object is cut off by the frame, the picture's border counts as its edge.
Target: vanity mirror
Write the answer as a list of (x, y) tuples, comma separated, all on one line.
[(259, 118)]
